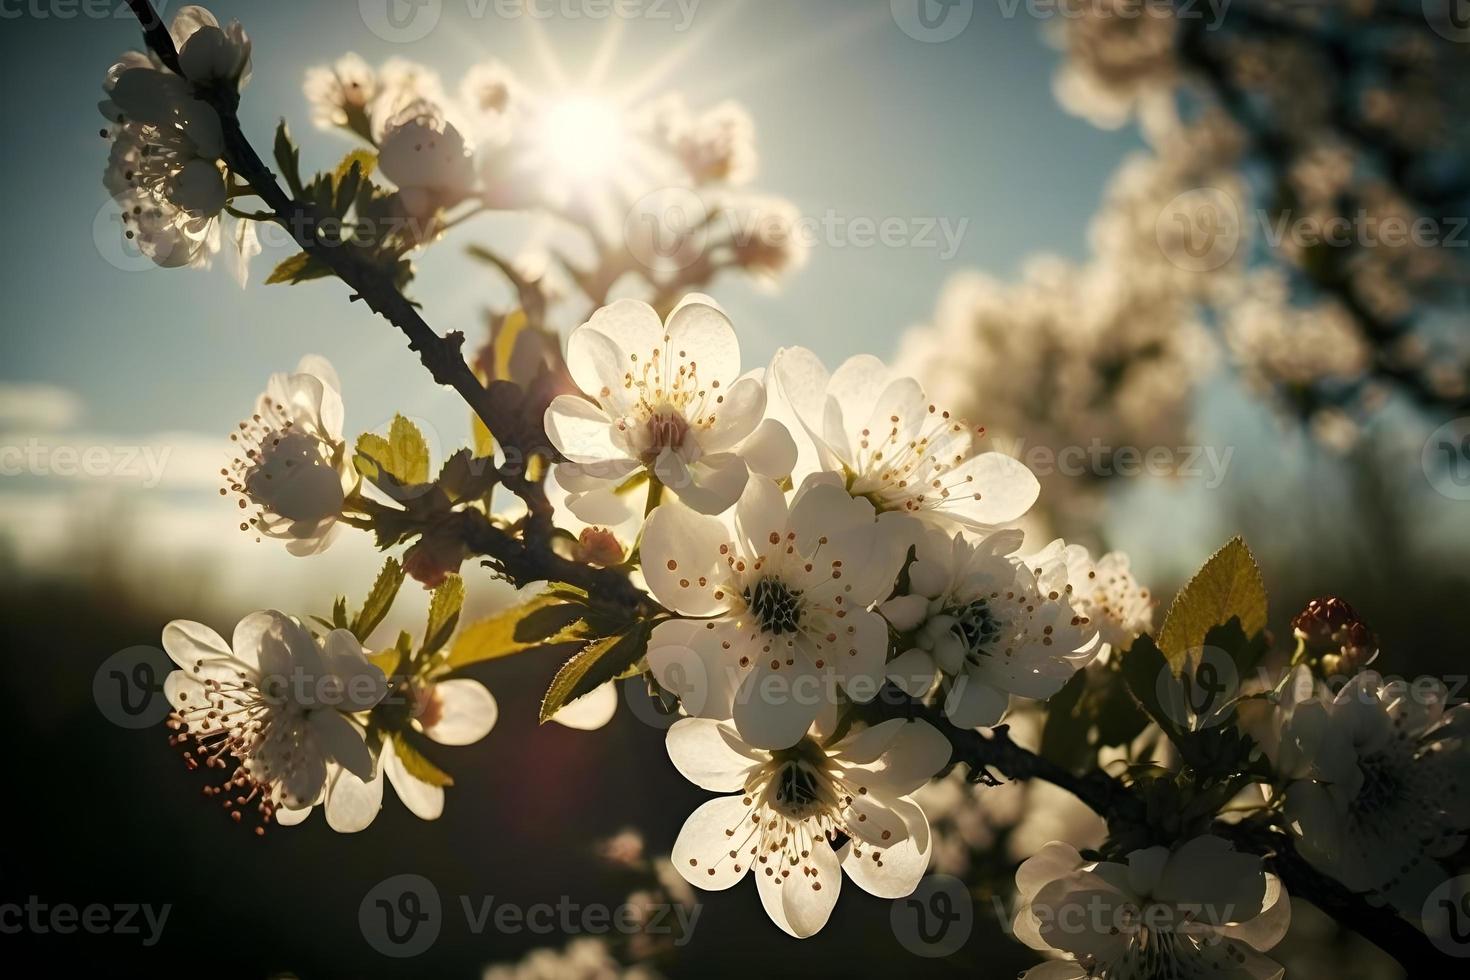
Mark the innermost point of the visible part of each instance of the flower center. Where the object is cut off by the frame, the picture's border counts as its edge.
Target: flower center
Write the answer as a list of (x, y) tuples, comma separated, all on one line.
[(976, 625), (776, 607), (666, 430), (799, 788)]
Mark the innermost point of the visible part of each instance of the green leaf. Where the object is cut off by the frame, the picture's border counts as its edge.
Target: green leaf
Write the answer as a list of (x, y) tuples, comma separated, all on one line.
[(1143, 665), (395, 660), (379, 600), (444, 610), (465, 476), (1093, 710), (339, 614), (403, 455), (598, 662), (522, 627), (1229, 585), (298, 268), (417, 765), (288, 159)]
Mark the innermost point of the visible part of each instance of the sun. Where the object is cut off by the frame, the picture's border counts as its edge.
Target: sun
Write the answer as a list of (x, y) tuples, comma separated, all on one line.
[(583, 139)]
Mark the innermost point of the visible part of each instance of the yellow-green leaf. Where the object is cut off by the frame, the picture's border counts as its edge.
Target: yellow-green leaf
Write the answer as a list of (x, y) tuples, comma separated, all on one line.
[(417, 765), (1229, 585), (298, 268), (379, 601), (544, 619), (444, 610), (403, 455), (365, 159), (597, 663)]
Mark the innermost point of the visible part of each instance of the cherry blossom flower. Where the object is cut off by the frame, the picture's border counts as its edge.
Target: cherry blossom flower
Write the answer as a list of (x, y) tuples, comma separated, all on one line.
[(668, 404), (341, 95), (270, 708), (457, 711), (788, 595), (164, 168), (1105, 591), (896, 448), (790, 804), (210, 54), (992, 625), (1201, 909), (1376, 793), (426, 157), (293, 466)]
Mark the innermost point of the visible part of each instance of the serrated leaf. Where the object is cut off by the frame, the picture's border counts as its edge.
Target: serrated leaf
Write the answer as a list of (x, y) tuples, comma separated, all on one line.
[(519, 628), (379, 600), (598, 662), (464, 476), (288, 159), (1229, 585), (339, 614), (417, 765), (403, 455), (444, 610), (300, 267)]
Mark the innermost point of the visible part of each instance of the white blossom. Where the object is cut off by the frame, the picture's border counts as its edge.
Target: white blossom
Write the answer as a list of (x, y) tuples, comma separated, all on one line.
[(1201, 909), (667, 402), (994, 626), (790, 804), (1375, 789), (341, 95), (779, 621), (293, 466), (270, 708), (897, 449)]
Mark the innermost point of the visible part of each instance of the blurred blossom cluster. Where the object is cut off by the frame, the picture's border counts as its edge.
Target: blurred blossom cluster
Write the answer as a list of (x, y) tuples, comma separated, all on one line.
[(1301, 206), (1341, 132), (657, 190), (1109, 350)]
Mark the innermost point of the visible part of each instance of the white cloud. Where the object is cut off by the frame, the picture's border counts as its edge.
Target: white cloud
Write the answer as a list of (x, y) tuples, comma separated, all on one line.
[(37, 406)]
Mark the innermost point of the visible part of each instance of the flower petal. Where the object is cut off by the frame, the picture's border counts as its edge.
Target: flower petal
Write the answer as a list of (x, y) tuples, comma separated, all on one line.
[(352, 804), (581, 431), (592, 710), (681, 550), (423, 800), (702, 852), (710, 754), (467, 712)]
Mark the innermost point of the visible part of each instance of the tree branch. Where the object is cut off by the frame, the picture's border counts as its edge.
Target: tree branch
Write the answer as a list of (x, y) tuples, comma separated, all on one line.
[(442, 356)]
